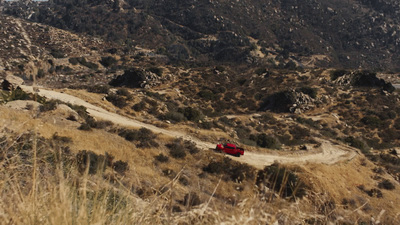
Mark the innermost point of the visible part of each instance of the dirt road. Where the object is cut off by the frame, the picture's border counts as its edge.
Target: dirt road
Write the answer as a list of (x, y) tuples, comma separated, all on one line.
[(327, 153)]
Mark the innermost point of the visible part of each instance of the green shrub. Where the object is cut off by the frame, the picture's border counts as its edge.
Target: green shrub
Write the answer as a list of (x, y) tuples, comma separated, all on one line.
[(179, 147), (266, 141), (372, 121)]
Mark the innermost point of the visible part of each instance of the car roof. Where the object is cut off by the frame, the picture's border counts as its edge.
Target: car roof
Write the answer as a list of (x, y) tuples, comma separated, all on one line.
[(230, 145)]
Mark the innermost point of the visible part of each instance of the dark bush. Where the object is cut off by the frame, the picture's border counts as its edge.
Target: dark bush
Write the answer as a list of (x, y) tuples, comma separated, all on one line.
[(282, 180), (337, 73), (108, 61), (96, 163), (386, 184), (117, 100), (61, 139), (192, 114), (266, 141), (73, 61), (157, 70), (57, 53), (357, 143), (278, 102), (120, 166), (161, 158), (261, 70), (177, 149), (124, 92), (191, 199), (40, 73), (174, 116), (312, 92), (374, 193), (48, 106), (103, 89), (85, 126), (207, 95), (235, 171), (139, 106), (372, 121), (143, 137)]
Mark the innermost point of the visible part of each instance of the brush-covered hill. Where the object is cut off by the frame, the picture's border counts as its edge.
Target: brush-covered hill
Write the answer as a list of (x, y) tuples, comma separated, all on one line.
[(340, 33)]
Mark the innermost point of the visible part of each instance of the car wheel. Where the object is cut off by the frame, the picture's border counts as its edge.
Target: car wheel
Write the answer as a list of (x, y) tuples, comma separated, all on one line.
[(238, 155)]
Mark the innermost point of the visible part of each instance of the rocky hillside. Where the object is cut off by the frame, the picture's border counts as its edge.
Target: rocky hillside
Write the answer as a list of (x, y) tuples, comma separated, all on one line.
[(340, 33)]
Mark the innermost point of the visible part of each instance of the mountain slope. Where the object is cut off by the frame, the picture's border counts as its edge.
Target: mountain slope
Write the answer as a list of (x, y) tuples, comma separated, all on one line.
[(352, 34)]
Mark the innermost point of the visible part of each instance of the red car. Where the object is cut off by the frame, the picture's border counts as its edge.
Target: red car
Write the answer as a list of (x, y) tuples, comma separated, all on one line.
[(230, 149)]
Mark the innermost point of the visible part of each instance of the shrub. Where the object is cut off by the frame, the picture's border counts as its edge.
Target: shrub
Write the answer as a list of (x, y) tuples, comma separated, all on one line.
[(57, 53), (48, 106), (161, 158), (40, 73), (174, 116), (386, 184), (139, 106), (85, 126), (108, 61), (156, 70), (143, 136), (207, 95), (117, 100), (357, 143), (261, 70), (61, 139), (337, 73), (266, 141), (372, 121), (96, 163), (73, 61), (312, 92), (235, 171), (282, 180), (102, 89), (177, 149), (191, 199), (120, 166), (192, 114)]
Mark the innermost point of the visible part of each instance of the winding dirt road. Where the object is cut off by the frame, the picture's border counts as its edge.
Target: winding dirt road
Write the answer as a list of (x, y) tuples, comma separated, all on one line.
[(327, 153)]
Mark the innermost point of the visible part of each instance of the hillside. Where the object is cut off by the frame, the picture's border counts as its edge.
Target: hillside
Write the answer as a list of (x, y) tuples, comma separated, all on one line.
[(95, 129), (334, 33)]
